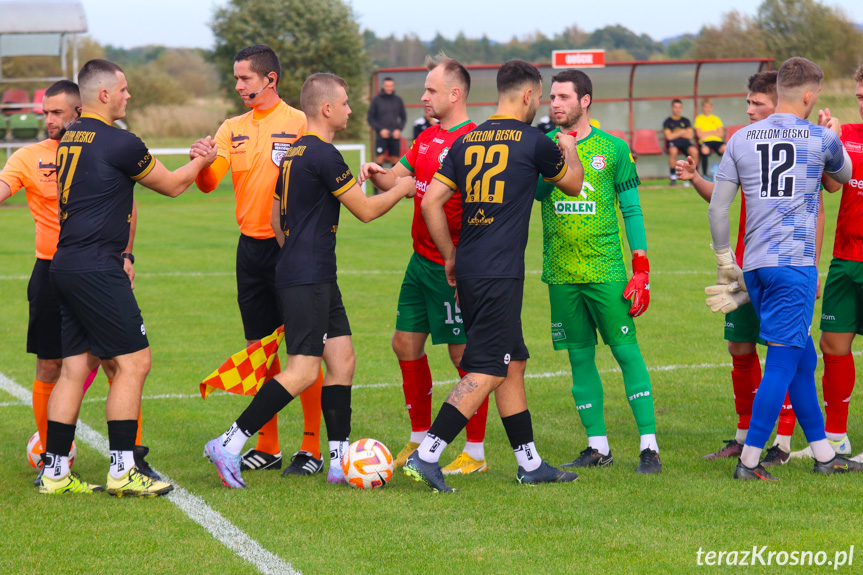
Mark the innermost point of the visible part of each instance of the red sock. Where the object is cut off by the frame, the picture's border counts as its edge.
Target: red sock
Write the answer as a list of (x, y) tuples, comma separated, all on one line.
[(475, 428), (838, 383), (417, 386), (745, 378), (268, 435), (787, 419)]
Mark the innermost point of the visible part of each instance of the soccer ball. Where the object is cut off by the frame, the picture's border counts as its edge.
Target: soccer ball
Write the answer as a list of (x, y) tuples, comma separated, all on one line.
[(34, 451), (367, 464)]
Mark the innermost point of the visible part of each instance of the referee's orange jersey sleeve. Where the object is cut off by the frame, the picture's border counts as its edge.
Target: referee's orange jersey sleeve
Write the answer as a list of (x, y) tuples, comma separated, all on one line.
[(253, 145), (34, 168)]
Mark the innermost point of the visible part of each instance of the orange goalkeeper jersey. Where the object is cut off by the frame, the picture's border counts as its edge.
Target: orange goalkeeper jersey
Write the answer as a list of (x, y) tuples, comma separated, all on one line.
[(34, 168), (252, 146)]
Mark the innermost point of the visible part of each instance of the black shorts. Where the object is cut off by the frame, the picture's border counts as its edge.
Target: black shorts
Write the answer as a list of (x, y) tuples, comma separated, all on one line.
[(312, 313), (714, 146), (388, 146), (681, 144), (256, 291), (99, 313), (491, 309), (43, 331)]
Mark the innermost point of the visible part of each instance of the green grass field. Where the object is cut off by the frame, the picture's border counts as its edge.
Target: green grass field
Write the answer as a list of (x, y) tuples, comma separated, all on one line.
[(609, 521)]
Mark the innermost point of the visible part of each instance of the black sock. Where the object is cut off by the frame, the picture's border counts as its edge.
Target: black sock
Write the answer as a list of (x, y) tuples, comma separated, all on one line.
[(270, 399), (336, 409), (60, 438), (704, 165), (448, 423), (121, 434), (518, 428)]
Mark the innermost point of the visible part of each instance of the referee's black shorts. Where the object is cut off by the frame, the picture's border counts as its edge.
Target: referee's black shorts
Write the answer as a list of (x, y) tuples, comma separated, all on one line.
[(312, 314), (491, 309), (256, 291), (43, 330), (99, 313)]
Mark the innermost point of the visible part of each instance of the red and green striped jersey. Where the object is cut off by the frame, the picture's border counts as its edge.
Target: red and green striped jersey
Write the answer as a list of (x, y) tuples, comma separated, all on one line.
[(424, 159)]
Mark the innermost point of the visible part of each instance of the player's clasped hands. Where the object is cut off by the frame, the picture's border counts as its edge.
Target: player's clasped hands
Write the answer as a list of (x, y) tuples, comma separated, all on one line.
[(368, 169), (828, 121), (409, 184), (206, 148)]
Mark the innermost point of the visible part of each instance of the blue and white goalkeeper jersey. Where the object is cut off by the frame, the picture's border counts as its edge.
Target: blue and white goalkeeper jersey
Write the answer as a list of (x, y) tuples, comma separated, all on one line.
[(778, 163)]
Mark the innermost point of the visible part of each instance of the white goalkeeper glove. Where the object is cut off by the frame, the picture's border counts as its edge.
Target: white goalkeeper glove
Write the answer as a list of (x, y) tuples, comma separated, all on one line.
[(727, 270), (726, 298)]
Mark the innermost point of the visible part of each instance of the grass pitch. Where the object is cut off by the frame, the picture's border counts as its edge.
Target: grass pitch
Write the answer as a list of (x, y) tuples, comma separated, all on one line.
[(609, 521)]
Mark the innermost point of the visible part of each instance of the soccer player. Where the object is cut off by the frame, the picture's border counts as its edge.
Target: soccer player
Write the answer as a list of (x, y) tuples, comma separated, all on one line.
[(34, 168), (741, 324), (251, 146), (97, 168), (843, 302), (710, 134), (583, 266), (427, 303), (778, 162), (496, 165), (313, 183), (678, 138)]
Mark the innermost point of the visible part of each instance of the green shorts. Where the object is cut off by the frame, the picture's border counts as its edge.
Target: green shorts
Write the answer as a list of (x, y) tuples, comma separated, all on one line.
[(427, 303), (842, 309), (577, 310), (742, 325)]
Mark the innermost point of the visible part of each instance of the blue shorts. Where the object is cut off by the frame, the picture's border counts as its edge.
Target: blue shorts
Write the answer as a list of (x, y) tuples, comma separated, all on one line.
[(784, 300)]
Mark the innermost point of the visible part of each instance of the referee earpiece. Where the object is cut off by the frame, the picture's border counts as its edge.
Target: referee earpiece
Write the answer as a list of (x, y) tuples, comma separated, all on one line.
[(253, 94)]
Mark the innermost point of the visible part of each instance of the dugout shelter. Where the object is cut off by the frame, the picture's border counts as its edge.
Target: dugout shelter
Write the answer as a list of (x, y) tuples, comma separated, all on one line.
[(630, 99), (35, 28)]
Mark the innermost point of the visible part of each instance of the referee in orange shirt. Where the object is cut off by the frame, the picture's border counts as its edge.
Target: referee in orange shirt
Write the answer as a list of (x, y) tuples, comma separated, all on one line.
[(252, 146)]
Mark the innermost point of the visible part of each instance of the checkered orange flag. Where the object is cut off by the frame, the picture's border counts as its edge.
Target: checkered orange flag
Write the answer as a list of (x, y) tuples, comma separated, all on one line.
[(246, 371)]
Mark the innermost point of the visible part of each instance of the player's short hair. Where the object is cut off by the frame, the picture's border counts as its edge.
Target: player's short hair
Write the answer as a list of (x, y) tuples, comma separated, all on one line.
[(388, 79), (454, 71), (677, 101), (858, 75), (706, 101), (516, 74), (798, 72), (763, 83), (318, 89), (94, 72), (262, 60), (580, 82), (65, 88)]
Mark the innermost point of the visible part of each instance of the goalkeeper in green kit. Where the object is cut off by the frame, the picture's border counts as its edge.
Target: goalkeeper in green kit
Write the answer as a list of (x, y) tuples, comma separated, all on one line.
[(584, 268)]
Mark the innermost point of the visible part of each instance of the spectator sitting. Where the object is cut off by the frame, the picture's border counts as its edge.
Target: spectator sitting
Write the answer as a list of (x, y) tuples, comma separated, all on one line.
[(710, 133), (678, 138)]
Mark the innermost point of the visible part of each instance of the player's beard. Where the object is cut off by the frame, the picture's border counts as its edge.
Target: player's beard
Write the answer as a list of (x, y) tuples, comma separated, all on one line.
[(531, 111), (572, 119)]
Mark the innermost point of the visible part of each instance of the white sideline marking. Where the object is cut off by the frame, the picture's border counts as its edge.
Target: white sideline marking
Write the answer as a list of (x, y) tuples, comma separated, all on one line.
[(193, 506)]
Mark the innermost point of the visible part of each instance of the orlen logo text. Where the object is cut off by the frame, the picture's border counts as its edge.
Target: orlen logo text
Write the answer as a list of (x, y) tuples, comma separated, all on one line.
[(567, 208)]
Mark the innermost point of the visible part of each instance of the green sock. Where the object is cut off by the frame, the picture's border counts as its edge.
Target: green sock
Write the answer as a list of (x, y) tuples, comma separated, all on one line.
[(636, 381), (587, 390)]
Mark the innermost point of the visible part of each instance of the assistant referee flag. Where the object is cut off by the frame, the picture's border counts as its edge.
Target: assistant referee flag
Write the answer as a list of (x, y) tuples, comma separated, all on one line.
[(245, 371)]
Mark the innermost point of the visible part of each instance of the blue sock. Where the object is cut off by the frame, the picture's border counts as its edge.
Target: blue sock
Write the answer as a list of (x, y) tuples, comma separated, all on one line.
[(804, 396), (780, 368)]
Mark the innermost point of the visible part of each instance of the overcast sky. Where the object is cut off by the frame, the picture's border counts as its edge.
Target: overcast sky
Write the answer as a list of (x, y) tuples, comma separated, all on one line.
[(185, 23)]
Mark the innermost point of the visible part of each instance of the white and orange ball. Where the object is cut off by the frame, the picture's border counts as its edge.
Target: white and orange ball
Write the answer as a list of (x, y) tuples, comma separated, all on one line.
[(35, 449), (367, 464)]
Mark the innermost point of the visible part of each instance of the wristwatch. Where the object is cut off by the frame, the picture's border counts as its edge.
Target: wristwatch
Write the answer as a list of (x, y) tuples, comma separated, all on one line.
[(129, 256)]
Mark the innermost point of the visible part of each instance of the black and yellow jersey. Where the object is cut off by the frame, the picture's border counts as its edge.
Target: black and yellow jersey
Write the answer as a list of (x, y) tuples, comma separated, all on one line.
[(97, 167), (496, 166), (312, 175)]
